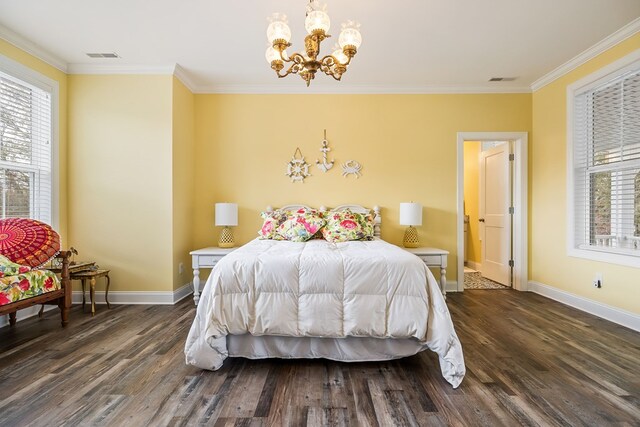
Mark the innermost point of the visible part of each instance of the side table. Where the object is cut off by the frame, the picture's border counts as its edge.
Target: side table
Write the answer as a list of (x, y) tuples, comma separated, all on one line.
[(92, 275), (434, 257), (205, 258)]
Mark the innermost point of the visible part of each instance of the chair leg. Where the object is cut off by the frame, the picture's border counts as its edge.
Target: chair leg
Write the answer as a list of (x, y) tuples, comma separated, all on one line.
[(64, 313), (12, 319)]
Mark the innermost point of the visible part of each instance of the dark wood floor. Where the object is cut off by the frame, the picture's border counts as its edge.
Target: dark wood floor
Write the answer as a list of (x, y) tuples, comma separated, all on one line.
[(530, 361)]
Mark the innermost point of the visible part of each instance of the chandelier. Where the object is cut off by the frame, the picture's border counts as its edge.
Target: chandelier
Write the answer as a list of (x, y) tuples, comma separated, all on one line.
[(306, 65)]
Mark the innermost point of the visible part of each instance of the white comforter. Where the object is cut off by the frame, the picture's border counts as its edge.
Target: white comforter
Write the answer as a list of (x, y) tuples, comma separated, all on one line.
[(321, 289)]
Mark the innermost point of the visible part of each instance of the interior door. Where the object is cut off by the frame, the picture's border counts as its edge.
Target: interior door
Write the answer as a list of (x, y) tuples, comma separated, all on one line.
[(495, 200)]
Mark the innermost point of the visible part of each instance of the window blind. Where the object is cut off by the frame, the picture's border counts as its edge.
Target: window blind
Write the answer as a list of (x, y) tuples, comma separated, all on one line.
[(606, 161), (25, 150)]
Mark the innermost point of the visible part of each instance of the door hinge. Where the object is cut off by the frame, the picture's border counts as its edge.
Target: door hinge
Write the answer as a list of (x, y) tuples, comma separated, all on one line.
[(511, 263), (511, 210), (512, 157)]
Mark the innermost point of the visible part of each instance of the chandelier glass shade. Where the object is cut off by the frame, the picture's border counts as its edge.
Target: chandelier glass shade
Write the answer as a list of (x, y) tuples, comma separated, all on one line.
[(317, 23)]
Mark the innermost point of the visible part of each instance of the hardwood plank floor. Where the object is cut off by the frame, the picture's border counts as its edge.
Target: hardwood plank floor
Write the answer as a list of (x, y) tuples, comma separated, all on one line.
[(530, 361)]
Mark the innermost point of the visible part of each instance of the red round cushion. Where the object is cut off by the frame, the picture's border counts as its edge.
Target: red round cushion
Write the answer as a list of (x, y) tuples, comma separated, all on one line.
[(27, 241)]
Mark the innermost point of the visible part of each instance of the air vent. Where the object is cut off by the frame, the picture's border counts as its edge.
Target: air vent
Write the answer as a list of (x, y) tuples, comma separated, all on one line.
[(502, 79), (103, 55)]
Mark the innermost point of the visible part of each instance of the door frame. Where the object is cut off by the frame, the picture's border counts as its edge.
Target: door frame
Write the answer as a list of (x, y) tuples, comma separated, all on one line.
[(520, 203)]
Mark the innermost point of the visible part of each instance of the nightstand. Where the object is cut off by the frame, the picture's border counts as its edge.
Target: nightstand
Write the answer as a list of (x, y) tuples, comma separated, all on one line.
[(434, 257), (205, 258)]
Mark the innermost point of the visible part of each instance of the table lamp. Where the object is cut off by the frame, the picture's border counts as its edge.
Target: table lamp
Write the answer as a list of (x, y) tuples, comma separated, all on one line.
[(226, 216), (411, 214)]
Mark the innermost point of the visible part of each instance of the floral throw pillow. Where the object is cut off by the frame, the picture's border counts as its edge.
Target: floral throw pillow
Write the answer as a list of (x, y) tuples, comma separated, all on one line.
[(9, 268), (272, 220), (301, 225), (346, 225)]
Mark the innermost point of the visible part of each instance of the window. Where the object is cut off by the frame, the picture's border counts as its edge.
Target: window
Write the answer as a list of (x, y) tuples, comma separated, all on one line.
[(604, 141), (26, 154)]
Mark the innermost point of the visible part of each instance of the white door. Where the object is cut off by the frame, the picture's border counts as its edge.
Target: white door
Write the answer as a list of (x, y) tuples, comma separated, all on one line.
[(495, 221)]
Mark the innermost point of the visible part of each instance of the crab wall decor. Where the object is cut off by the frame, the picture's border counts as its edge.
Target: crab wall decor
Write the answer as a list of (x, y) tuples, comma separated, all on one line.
[(297, 168), (351, 167), (323, 165)]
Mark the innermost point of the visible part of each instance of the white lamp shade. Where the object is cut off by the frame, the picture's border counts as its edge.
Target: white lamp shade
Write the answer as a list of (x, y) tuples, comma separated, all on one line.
[(226, 214), (410, 214)]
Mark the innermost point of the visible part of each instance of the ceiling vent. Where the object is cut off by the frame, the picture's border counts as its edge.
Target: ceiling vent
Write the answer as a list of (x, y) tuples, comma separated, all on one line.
[(502, 79), (103, 55)]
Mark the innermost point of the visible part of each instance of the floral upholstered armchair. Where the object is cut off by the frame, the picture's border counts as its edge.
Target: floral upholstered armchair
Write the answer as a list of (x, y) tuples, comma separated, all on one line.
[(25, 246)]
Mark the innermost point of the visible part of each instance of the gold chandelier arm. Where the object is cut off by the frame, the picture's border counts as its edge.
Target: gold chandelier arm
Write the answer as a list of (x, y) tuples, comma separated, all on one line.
[(335, 61), (296, 67)]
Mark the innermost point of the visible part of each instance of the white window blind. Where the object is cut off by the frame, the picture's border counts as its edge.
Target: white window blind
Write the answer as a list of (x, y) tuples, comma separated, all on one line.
[(25, 150), (606, 164)]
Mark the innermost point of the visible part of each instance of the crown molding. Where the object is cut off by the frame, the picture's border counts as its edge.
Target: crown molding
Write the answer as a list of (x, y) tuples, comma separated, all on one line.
[(120, 69), (619, 36), (182, 75), (350, 89), (32, 49)]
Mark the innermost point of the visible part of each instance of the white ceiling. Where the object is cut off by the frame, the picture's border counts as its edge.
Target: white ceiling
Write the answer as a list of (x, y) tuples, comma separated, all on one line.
[(408, 45)]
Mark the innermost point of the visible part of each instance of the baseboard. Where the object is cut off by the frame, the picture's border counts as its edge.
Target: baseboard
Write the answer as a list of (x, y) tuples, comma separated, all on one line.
[(613, 314), (138, 297), (26, 313), (474, 265), (452, 286)]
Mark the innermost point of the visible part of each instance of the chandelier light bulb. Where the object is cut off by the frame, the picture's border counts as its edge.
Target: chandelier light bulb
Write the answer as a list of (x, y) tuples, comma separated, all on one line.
[(350, 35), (272, 55), (278, 29), (340, 56), (317, 18)]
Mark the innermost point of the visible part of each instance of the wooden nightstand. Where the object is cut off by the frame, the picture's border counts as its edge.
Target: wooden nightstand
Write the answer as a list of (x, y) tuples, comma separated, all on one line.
[(205, 258), (434, 257)]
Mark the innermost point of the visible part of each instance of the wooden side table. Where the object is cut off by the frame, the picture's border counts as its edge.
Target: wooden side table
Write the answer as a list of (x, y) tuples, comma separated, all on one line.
[(92, 275)]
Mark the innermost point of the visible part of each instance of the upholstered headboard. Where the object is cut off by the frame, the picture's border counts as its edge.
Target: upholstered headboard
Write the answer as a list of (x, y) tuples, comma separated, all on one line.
[(377, 219)]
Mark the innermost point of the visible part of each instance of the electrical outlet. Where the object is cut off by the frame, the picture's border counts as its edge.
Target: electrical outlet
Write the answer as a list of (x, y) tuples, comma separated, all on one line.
[(181, 268), (597, 281)]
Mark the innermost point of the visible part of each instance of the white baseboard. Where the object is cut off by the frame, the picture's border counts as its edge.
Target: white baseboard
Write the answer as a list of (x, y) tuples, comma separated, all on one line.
[(115, 297), (474, 265), (613, 314), (138, 297), (452, 286), (26, 313)]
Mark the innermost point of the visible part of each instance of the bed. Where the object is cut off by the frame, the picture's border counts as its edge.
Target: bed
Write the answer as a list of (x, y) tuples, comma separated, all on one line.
[(350, 301)]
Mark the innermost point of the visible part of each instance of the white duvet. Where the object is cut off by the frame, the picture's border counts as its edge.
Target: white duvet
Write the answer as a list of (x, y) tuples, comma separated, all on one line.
[(321, 289)]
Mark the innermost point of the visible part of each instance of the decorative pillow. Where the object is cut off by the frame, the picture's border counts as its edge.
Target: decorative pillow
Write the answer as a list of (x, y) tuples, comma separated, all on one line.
[(8, 268), (301, 225), (27, 241), (346, 225), (272, 220), (367, 221)]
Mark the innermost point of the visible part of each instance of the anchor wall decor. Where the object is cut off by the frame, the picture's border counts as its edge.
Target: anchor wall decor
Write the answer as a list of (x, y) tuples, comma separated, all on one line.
[(323, 165)]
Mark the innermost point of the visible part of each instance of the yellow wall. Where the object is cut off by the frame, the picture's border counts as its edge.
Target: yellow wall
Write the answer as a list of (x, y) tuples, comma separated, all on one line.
[(53, 73), (406, 144), (183, 191), (472, 197), (549, 261), (120, 177)]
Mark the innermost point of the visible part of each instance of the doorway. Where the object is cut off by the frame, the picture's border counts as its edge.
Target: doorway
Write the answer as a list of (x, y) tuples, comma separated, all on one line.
[(507, 228)]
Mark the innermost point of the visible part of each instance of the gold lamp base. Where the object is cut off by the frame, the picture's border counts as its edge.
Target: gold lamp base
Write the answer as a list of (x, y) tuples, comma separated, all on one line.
[(411, 238), (226, 238)]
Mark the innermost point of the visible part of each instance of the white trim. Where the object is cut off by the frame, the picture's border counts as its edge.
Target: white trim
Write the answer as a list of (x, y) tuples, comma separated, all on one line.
[(520, 200), (32, 49), (27, 313), (353, 89), (572, 90), (452, 286), (613, 314), (121, 69), (51, 86), (619, 36), (138, 297), (183, 76)]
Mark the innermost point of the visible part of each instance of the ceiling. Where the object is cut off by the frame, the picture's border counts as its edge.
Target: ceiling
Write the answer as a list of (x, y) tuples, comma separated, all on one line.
[(408, 46)]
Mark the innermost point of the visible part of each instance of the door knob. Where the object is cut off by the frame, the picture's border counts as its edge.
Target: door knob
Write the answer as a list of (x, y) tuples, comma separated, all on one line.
[(481, 219)]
